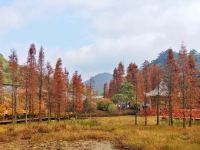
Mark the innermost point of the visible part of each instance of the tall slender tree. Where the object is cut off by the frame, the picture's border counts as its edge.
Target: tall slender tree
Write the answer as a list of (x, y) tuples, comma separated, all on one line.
[(13, 62), (49, 91), (193, 86), (156, 77), (89, 96), (113, 84), (23, 80), (59, 93), (119, 76), (40, 79), (146, 75), (131, 77), (77, 93), (183, 80), (106, 90), (66, 81), (171, 79), (31, 80)]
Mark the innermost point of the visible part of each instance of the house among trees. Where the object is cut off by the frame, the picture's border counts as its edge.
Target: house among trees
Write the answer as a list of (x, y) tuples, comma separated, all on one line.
[(159, 93)]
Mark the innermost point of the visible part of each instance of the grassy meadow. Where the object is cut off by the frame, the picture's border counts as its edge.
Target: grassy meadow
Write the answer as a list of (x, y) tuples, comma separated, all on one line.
[(119, 130)]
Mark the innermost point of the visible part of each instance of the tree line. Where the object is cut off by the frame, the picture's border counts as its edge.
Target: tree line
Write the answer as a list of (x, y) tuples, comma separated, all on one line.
[(42, 88), (179, 76)]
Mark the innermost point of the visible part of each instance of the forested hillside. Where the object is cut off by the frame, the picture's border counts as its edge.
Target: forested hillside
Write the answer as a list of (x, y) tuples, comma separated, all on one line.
[(6, 71), (162, 57)]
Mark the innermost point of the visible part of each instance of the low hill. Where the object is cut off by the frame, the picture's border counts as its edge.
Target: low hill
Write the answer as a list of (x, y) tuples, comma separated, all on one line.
[(99, 81)]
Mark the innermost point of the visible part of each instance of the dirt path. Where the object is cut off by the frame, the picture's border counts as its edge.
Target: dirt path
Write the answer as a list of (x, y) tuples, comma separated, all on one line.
[(60, 145)]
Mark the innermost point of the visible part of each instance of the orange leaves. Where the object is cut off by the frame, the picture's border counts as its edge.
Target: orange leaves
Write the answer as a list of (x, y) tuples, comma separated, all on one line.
[(58, 87), (77, 92)]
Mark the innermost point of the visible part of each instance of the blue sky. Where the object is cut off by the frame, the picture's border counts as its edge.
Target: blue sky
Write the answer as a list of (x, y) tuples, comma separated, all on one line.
[(93, 36)]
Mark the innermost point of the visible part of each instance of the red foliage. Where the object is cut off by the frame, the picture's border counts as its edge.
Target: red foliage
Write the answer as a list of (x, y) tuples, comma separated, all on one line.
[(106, 90), (31, 78), (40, 78), (77, 92), (58, 89)]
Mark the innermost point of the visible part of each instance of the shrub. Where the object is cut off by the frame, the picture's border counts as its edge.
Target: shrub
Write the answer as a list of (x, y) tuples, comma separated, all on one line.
[(135, 107), (104, 104), (112, 108)]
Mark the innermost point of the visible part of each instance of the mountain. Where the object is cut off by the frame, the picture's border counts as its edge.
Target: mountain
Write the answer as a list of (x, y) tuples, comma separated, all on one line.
[(162, 57), (99, 81)]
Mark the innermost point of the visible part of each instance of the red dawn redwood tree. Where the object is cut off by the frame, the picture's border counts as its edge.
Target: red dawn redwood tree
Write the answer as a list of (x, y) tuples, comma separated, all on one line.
[(24, 84), (183, 80), (32, 81), (171, 80), (131, 73), (140, 86), (77, 93), (156, 76), (113, 83), (13, 63), (119, 76), (132, 77), (59, 89), (48, 85), (146, 75), (112, 87), (193, 86), (106, 90), (66, 81), (40, 78), (89, 95)]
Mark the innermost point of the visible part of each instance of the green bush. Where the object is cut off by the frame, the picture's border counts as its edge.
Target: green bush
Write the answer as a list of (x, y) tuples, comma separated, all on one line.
[(104, 104), (135, 107), (112, 108)]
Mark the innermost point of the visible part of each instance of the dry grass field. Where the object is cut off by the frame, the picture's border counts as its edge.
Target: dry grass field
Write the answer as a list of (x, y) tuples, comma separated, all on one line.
[(120, 131)]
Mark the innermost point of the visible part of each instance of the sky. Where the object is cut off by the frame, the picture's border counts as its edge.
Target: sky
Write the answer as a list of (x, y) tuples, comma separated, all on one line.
[(93, 36)]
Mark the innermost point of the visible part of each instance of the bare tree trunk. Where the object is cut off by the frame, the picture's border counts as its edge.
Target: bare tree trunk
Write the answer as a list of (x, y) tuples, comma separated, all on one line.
[(12, 106), (58, 112), (30, 108), (184, 116), (190, 122), (15, 104), (184, 102), (145, 111), (49, 98), (40, 97), (158, 102), (26, 106), (169, 112), (136, 123), (158, 110)]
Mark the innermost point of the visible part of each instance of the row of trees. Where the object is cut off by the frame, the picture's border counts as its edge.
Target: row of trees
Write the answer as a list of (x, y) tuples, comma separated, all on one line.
[(180, 77), (42, 87)]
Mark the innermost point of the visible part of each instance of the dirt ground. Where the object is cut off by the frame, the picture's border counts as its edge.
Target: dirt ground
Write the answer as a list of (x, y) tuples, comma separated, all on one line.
[(58, 145)]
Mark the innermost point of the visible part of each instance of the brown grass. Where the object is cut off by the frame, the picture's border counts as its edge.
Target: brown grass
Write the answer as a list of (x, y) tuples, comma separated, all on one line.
[(119, 130)]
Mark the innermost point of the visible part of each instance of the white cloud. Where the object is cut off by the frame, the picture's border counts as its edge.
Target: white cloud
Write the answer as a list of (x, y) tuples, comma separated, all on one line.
[(126, 30)]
